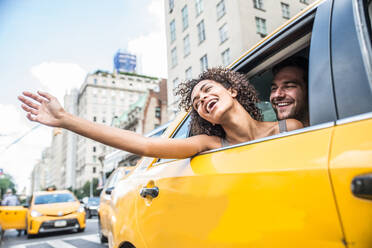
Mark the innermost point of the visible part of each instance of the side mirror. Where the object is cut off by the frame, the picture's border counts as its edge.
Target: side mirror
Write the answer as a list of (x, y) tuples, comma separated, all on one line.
[(109, 190), (26, 205)]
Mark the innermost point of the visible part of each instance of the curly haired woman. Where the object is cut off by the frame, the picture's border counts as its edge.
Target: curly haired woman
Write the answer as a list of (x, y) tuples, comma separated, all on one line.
[(223, 112)]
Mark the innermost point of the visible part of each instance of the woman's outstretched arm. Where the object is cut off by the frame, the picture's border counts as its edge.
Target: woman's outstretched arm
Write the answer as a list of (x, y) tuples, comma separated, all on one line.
[(45, 109)]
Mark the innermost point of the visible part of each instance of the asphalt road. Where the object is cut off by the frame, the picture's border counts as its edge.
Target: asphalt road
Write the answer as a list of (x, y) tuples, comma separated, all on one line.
[(88, 238)]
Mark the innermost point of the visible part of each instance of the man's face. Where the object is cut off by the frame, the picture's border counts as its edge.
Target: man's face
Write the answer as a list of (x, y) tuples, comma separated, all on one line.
[(288, 94)]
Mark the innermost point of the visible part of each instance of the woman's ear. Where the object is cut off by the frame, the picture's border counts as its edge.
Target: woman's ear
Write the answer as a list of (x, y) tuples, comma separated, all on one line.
[(233, 92)]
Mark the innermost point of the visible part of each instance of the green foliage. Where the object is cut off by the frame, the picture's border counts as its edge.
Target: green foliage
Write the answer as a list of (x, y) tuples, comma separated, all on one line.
[(6, 182), (85, 190)]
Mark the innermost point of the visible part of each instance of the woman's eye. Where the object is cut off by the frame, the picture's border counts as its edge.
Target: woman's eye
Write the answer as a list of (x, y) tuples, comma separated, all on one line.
[(208, 88)]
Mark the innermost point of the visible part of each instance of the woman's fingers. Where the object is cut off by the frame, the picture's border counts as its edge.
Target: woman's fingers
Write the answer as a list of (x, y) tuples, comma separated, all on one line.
[(30, 110), (30, 117), (28, 102), (34, 96), (45, 94)]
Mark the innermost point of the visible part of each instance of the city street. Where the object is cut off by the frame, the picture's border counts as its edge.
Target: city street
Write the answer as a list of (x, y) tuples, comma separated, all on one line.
[(89, 238)]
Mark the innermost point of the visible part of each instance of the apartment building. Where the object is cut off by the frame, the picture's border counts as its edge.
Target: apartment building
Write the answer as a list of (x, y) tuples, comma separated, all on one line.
[(103, 98), (208, 33), (40, 175)]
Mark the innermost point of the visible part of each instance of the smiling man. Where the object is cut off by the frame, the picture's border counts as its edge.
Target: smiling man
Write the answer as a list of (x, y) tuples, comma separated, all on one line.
[(289, 90)]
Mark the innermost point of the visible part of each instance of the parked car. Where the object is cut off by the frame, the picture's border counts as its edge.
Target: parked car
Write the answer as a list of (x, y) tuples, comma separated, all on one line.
[(304, 188), (91, 207)]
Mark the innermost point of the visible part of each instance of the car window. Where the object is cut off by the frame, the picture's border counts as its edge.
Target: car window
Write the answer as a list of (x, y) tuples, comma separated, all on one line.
[(182, 132), (53, 198)]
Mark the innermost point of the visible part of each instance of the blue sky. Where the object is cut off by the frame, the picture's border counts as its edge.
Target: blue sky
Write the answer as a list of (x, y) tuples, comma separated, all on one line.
[(52, 45)]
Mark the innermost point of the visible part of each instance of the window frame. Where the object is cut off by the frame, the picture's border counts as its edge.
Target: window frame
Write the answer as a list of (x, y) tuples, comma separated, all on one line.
[(186, 46), (260, 25), (172, 30), (204, 63), (185, 17), (221, 12), (223, 34), (201, 31)]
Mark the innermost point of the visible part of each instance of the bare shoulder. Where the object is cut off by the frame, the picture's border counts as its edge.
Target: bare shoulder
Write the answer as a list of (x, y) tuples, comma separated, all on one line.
[(293, 124)]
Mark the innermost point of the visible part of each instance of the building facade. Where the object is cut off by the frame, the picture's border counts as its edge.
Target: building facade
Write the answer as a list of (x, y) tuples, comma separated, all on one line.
[(103, 98), (40, 175), (70, 141), (203, 34)]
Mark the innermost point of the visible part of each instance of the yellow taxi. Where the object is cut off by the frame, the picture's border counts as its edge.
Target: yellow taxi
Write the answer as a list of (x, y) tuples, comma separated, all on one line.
[(309, 187), (56, 210)]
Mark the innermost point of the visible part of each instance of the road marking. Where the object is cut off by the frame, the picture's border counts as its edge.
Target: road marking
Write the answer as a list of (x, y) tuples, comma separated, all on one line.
[(71, 242)]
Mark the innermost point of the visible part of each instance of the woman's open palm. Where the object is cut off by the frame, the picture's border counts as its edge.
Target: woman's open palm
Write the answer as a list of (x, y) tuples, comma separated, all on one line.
[(45, 108)]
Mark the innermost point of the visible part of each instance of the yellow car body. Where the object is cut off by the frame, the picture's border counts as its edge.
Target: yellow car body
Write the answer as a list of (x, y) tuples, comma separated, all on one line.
[(310, 187), (44, 217)]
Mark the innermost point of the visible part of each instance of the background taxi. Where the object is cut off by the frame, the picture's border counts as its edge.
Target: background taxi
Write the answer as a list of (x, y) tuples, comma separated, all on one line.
[(51, 211)]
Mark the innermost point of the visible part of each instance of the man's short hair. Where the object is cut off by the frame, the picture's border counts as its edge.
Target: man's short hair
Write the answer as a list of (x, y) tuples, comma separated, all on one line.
[(296, 61)]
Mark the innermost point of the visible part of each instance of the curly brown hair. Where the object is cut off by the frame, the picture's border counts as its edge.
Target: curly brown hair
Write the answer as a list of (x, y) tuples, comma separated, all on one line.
[(246, 96)]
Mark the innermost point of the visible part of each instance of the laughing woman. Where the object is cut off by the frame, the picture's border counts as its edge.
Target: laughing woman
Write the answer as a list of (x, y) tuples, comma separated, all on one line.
[(223, 113)]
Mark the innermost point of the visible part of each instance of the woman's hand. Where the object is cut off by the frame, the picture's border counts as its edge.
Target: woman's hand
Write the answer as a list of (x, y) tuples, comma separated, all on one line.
[(45, 109)]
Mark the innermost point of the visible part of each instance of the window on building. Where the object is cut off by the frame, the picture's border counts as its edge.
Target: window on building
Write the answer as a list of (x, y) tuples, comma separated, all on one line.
[(94, 149), (113, 82), (94, 168), (172, 27), (94, 118), (176, 81), (199, 7), (157, 112), (188, 73), (185, 17), (95, 81), (223, 33), (186, 45), (258, 4), (221, 9), (174, 56), (171, 5), (261, 26), (226, 57), (103, 120), (285, 10), (304, 1), (201, 31), (203, 63)]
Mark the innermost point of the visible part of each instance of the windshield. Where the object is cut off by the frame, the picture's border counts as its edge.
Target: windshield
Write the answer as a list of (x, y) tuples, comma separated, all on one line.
[(54, 198), (93, 201)]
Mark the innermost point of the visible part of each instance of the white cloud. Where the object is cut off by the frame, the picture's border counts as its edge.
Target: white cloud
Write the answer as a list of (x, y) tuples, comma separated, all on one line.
[(151, 48), (58, 78)]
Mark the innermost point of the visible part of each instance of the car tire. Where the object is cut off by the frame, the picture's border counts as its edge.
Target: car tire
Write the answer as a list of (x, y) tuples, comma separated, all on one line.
[(102, 238), (81, 229), (88, 215), (30, 236)]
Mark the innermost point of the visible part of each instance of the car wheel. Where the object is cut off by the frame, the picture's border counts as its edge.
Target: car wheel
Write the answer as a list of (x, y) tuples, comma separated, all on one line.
[(88, 215), (81, 229), (102, 237)]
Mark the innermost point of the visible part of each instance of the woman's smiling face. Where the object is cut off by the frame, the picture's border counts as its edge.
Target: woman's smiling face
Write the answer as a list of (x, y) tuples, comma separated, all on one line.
[(211, 100)]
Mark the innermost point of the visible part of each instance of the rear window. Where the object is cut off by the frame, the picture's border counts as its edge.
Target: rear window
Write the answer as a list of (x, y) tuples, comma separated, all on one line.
[(54, 198)]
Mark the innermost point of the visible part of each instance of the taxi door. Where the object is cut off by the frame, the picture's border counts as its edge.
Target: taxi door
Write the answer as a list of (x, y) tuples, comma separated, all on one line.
[(13, 217), (268, 193), (351, 154)]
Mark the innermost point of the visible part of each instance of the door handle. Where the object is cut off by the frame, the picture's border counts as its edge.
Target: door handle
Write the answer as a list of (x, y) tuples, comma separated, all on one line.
[(361, 186), (152, 192)]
